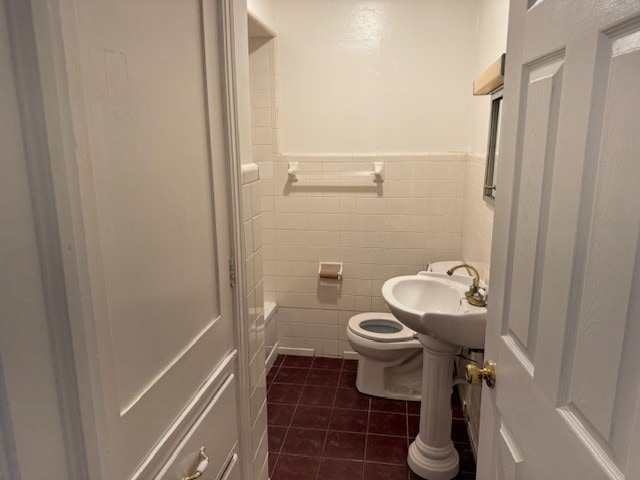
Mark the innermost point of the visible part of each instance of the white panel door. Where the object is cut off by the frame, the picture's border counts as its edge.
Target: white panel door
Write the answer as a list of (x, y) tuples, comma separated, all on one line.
[(564, 316), (153, 183)]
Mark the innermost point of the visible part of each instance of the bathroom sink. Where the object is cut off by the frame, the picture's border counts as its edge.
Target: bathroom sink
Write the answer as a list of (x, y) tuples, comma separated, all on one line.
[(435, 304)]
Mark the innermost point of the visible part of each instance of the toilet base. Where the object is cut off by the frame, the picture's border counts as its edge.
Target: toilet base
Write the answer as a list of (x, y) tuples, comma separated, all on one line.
[(396, 382), (390, 362)]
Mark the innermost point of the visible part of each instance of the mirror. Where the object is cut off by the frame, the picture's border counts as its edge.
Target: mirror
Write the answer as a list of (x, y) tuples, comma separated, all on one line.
[(493, 149)]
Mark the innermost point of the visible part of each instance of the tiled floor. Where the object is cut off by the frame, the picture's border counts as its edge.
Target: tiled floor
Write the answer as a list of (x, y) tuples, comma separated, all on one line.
[(321, 427)]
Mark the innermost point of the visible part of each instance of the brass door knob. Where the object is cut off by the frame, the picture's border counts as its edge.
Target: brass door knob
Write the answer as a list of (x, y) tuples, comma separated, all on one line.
[(475, 374)]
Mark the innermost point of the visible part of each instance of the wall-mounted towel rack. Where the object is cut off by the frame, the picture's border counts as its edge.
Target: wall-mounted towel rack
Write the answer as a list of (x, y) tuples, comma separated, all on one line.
[(295, 174)]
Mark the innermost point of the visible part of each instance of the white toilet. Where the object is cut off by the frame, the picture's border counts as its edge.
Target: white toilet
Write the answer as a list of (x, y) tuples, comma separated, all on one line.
[(390, 363)]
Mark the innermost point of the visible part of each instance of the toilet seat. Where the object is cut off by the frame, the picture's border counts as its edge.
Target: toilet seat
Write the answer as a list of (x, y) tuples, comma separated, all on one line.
[(380, 327)]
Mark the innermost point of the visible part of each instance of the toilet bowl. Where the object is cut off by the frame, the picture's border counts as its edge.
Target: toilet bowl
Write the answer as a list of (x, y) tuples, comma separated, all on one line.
[(390, 363)]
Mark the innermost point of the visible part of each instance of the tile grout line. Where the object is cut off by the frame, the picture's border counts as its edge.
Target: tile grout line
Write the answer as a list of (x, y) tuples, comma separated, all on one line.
[(332, 410), (366, 438), (293, 416), (285, 434)]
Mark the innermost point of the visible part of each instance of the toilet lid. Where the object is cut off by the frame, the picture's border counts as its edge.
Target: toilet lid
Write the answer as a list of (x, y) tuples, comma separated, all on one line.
[(381, 327)]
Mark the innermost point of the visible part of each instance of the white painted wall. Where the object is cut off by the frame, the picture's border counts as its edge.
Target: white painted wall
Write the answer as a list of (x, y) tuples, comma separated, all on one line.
[(477, 224), (265, 10), (491, 42), (376, 76), (243, 85)]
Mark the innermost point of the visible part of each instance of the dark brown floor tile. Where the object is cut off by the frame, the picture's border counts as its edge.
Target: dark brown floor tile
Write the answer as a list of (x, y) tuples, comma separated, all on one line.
[(413, 408), (351, 365), (382, 449), (318, 396), (276, 437), (311, 417), (271, 375), (335, 469), (284, 393), (388, 423), (291, 375), (297, 361), (294, 453), (327, 363), (280, 415), (457, 412), (290, 467), (460, 476), (278, 361), (351, 398), (413, 424), (349, 420), (304, 442), (459, 431), (384, 405), (345, 445), (273, 458), (379, 471), (455, 397), (325, 378), (465, 476), (348, 379), (467, 462)]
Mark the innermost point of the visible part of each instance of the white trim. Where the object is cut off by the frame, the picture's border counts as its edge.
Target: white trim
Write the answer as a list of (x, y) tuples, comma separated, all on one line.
[(271, 358), (270, 309), (42, 89), (350, 355), (302, 352), (250, 173), (245, 447), (8, 454), (259, 28)]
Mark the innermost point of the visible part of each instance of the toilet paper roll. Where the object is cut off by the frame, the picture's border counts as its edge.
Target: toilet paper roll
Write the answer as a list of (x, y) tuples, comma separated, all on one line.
[(334, 275), (330, 270)]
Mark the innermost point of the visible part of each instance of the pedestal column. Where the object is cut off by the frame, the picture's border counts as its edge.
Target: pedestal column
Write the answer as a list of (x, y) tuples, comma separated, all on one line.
[(432, 455)]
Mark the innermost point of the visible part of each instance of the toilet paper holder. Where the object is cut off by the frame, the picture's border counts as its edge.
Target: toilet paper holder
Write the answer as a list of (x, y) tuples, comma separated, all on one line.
[(330, 270)]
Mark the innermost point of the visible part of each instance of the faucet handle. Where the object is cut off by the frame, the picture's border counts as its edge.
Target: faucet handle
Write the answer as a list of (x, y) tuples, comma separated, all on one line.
[(484, 292), (476, 297)]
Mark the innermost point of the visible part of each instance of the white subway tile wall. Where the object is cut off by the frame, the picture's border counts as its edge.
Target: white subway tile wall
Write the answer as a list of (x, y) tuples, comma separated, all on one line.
[(254, 286), (262, 136), (378, 231), (477, 220)]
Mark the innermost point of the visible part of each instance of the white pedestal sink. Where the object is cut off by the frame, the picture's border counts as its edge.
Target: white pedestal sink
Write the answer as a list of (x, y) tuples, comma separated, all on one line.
[(435, 306)]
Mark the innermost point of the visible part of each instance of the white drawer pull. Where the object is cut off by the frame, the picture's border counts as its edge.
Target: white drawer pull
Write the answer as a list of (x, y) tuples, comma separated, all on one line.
[(202, 466)]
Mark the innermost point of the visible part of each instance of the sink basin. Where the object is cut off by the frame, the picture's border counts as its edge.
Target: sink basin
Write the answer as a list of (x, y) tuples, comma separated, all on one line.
[(435, 304)]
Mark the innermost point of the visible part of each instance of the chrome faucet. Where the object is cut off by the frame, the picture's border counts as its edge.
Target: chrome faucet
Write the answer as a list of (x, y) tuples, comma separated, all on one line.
[(474, 296)]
